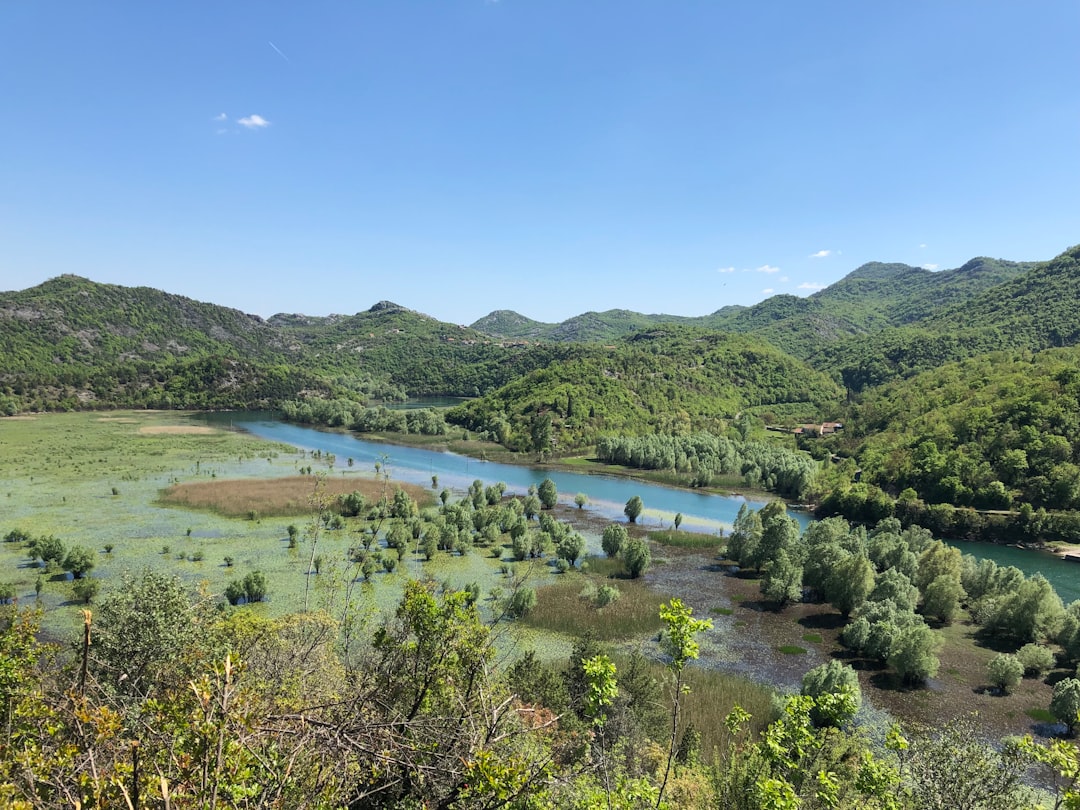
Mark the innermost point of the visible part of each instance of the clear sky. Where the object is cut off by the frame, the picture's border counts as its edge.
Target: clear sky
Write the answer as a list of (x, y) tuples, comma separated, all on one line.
[(545, 156)]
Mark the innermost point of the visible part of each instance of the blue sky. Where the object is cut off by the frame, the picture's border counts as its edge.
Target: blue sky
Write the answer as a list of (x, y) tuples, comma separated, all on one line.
[(546, 156)]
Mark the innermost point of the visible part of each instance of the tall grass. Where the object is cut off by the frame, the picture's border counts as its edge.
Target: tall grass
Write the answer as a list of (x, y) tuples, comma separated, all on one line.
[(567, 607), (277, 497), (686, 539)]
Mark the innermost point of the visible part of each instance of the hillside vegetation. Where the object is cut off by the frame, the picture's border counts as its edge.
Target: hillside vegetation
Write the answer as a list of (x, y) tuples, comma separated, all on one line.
[(670, 380)]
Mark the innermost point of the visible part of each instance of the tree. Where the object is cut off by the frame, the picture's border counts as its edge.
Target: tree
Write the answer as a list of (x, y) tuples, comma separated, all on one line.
[(581, 499), (1036, 659), (522, 602), (548, 494), (941, 598), (146, 633), (613, 539), (851, 582), (1065, 702), (745, 536), (678, 520), (1005, 672), (636, 557), (913, 653), (633, 508), (570, 546), (79, 561), (783, 580), (679, 641), (86, 589), (833, 678)]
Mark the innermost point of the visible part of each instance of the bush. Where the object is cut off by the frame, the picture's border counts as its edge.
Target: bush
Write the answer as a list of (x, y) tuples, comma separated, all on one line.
[(614, 539), (79, 561), (1005, 672), (562, 565), (833, 678), (605, 595), (522, 602), (636, 557), (1036, 659), (86, 589)]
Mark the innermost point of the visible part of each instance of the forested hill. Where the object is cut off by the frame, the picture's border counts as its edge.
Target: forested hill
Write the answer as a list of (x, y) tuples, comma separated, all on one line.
[(414, 352), (671, 379), (73, 321), (1033, 311), (873, 297)]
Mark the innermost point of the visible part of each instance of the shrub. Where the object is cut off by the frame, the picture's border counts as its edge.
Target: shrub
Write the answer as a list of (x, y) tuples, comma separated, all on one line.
[(833, 678), (1036, 659), (562, 565), (79, 561), (521, 602), (1005, 672), (636, 557), (614, 539), (605, 595), (86, 589)]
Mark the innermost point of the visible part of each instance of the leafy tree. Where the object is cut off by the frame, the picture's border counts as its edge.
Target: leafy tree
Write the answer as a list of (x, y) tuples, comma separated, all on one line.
[(895, 586), (782, 582), (941, 598), (149, 634), (680, 643), (678, 520), (913, 654), (745, 536), (522, 602), (1065, 702), (570, 547), (86, 589), (852, 581), (548, 494), (79, 561), (636, 557), (613, 539), (50, 550), (633, 508), (1035, 658), (581, 499), (1005, 672), (835, 677)]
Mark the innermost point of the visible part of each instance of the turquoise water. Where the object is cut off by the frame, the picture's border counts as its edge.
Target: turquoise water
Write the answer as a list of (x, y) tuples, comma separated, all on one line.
[(702, 512), (607, 494)]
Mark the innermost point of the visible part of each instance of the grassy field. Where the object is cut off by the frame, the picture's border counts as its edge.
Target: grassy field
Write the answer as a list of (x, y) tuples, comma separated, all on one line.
[(99, 481)]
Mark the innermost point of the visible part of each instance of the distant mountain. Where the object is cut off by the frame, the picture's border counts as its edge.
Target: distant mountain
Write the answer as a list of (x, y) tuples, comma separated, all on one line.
[(589, 327), (1032, 310), (873, 297)]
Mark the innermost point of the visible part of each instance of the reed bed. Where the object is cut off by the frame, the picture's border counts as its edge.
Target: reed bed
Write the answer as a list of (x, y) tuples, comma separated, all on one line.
[(278, 497), (568, 606)]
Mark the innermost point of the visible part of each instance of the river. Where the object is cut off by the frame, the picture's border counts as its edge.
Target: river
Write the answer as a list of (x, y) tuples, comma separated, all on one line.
[(607, 494), (702, 512)]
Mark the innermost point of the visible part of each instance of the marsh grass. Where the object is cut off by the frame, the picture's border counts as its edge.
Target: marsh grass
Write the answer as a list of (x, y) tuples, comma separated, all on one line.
[(566, 607), (680, 539), (277, 497)]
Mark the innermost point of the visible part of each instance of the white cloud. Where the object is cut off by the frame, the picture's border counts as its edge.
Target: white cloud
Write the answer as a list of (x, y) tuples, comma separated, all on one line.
[(221, 117), (725, 269), (811, 285), (766, 268), (784, 279), (821, 254), (767, 291), (221, 132), (253, 122), (929, 267), (923, 245)]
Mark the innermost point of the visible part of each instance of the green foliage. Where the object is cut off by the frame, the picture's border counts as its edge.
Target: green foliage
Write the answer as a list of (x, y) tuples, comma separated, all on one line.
[(548, 494), (636, 557), (613, 539), (1065, 702), (1005, 672), (521, 603), (913, 653), (1035, 659), (79, 561), (835, 678), (633, 508)]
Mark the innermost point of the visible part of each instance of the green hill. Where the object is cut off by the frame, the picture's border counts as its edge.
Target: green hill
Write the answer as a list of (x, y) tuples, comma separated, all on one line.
[(670, 379), (1031, 311)]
